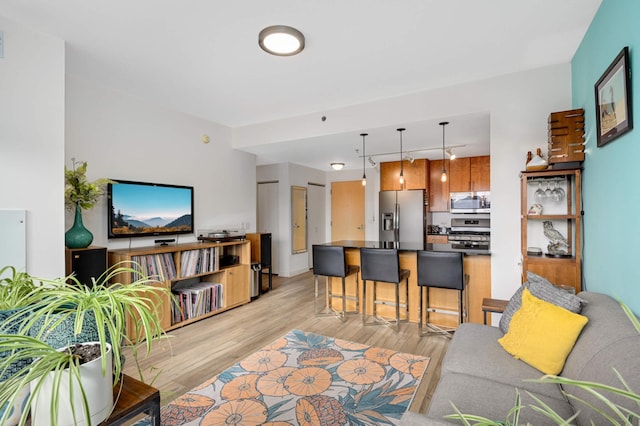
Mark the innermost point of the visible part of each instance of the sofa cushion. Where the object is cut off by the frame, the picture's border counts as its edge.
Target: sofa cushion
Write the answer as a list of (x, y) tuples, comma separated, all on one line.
[(474, 350), (493, 400), (541, 288), (608, 341), (542, 334)]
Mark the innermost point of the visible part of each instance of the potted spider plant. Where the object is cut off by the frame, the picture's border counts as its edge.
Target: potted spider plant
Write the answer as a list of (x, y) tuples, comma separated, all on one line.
[(61, 392), (17, 292)]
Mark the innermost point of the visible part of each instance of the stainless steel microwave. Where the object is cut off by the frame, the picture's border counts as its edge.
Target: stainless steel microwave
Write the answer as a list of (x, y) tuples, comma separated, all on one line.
[(470, 202)]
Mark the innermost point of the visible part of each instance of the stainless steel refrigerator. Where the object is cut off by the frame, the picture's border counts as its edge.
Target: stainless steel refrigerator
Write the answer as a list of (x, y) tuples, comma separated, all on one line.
[(402, 216)]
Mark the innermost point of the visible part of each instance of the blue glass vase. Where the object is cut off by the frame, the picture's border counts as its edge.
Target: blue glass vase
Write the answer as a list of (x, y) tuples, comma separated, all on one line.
[(78, 236)]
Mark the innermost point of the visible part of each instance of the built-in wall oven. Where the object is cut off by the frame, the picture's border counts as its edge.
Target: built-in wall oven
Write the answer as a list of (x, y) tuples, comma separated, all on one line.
[(470, 202)]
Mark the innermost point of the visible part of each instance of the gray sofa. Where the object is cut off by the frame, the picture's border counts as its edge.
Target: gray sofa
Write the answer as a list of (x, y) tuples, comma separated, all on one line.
[(481, 378)]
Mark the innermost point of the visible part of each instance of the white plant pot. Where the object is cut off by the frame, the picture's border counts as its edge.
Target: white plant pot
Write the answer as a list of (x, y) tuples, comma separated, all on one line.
[(98, 389)]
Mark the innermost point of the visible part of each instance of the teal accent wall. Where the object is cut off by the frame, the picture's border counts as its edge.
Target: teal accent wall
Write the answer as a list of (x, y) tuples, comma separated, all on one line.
[(611, 177)]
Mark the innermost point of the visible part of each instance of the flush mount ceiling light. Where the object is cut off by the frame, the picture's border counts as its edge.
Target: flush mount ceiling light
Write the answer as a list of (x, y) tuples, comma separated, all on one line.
[(337, 166), (281, 40)]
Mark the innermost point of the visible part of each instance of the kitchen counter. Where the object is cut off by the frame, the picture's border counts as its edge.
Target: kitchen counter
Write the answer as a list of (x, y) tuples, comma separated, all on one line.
[(407, 246), (477, 264)]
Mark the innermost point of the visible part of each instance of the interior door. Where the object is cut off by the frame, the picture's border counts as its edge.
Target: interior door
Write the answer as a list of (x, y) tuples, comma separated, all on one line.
[(347, 211)]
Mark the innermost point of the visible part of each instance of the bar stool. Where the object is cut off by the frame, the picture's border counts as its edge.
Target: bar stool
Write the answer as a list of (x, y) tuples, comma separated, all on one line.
[(330, 261), (383, 265), (441, 270)]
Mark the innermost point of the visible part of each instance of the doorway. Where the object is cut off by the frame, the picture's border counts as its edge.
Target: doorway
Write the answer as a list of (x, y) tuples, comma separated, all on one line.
[(347, 211)]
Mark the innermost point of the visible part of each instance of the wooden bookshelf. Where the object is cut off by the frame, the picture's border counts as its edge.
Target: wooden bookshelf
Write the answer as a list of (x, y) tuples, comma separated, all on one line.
[(191, 267)]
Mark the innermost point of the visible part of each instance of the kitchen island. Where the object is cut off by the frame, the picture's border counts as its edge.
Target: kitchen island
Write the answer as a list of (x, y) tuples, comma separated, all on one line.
[(477, 264)]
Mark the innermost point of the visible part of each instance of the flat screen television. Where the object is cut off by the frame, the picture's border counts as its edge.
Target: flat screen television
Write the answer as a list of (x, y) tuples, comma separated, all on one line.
[(142, 209)]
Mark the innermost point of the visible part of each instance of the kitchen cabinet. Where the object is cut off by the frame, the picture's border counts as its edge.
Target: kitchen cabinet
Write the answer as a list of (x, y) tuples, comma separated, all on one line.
[(437, 239), (470, 174), (551, 222), (415, 175), (438, 190), (480, 173)]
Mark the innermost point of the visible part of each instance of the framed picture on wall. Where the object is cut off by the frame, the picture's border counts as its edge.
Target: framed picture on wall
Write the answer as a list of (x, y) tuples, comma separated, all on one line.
[(613, 100)]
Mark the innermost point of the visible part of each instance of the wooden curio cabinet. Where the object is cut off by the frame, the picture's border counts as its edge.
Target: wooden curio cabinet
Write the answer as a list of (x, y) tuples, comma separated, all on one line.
[(552, 223)]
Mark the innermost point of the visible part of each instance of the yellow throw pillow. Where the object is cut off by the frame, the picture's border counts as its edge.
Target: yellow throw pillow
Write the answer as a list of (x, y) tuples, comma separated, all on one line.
[(542, 334)]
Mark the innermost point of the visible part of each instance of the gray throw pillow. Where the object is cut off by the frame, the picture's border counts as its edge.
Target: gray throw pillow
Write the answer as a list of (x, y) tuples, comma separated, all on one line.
[(541, 288)]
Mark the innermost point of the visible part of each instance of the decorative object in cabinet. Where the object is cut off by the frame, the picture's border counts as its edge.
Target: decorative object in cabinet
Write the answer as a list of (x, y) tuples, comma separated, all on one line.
[(202, 285), (566, 136), (551, 223)]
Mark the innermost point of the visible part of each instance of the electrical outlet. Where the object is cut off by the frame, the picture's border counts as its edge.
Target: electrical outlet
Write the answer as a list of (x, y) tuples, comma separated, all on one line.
[(1, 45)]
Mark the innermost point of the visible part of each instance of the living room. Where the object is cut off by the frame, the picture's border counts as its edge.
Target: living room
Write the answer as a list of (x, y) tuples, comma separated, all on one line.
[(49, 116), (76, 119)]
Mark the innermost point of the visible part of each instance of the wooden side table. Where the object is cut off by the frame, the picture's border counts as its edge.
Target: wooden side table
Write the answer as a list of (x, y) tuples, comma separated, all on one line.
[(492, 305), (134, 397)]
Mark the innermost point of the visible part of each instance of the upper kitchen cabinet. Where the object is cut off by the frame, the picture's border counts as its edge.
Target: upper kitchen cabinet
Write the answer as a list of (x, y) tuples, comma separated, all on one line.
[(415, 175), (470, 174), (438, 190)]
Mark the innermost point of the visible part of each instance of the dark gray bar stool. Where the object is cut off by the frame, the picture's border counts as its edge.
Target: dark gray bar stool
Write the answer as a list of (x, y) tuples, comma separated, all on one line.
[(441, 270), (331, 261), (383, 265)]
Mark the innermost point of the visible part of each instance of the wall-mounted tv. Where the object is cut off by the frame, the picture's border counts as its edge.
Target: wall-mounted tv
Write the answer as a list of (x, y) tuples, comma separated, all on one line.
[(141, 209)]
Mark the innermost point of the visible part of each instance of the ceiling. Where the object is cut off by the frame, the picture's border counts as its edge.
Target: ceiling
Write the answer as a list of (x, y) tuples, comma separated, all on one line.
[(202, 57)]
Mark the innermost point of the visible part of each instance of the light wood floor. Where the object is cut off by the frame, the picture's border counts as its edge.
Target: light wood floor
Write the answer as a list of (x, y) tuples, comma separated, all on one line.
[(196, 352)]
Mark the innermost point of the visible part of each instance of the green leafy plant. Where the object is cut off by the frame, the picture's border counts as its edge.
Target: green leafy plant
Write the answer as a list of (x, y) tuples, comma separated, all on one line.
[(618, 415), (78, 191), (110, 305), (17, 289)]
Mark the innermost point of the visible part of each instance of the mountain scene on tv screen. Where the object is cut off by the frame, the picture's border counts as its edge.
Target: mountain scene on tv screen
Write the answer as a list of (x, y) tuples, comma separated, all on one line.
[(123, 224)]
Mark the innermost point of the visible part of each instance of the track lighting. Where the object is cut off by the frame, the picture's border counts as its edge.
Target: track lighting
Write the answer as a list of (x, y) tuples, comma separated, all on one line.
[(450, 154), (409, 158), (373, 163)]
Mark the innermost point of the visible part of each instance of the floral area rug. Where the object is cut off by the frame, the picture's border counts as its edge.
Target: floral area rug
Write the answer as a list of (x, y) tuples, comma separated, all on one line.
[(305, 379)]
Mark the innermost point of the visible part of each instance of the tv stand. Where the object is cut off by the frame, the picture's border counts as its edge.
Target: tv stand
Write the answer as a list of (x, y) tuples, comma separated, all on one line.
[(174, 267)]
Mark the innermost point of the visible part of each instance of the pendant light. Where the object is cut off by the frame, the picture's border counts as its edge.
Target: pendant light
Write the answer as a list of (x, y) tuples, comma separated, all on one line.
[(364, 175), (443, 178), (402, 129)]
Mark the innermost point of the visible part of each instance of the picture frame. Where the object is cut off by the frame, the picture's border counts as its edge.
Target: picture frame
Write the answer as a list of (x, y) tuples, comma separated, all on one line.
[(613, 100)]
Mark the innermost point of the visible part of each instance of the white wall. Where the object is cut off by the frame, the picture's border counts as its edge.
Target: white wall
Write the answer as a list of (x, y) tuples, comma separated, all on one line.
[(123, 137), (518, 104), (32, 142)]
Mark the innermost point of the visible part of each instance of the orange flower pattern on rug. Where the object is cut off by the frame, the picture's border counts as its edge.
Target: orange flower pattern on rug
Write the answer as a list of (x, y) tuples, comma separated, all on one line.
[(304, 379)]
